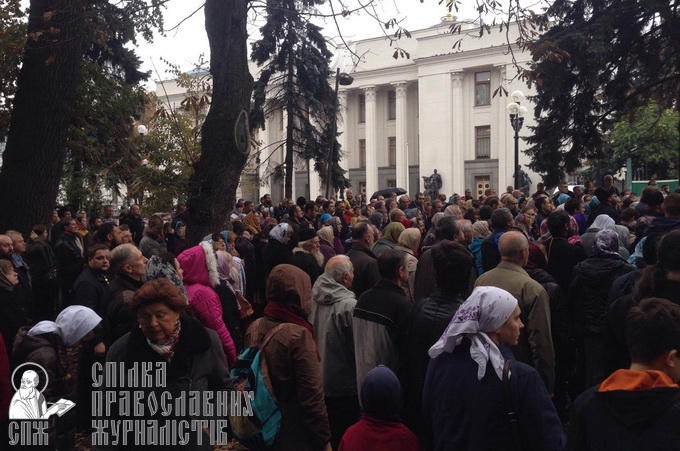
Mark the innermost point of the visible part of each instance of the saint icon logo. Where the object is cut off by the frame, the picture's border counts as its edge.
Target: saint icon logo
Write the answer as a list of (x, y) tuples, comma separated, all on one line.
[(28, 403)]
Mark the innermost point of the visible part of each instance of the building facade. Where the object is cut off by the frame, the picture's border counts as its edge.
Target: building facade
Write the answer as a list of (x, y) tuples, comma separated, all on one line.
[(443, 107)]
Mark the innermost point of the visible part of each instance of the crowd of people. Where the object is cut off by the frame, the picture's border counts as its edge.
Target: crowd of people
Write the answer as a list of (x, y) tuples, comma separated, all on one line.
[(493, 322)]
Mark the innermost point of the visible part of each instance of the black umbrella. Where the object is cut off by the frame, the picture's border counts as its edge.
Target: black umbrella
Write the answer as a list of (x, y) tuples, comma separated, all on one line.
[(387, 191)]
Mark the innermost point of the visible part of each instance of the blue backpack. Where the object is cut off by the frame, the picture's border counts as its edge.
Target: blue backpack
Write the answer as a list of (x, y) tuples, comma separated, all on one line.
[(250, 374)]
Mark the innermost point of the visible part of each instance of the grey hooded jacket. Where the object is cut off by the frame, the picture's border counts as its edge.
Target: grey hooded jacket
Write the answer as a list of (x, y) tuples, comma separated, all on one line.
[(331, 316)]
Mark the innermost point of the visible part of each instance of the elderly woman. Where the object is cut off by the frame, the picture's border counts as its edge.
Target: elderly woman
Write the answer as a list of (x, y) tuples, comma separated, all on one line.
[(589, 289), (409, 242), (390, 236), (292, 360), (464, 388), (190, 356), (325, 235), (46, 344), (277, 251)]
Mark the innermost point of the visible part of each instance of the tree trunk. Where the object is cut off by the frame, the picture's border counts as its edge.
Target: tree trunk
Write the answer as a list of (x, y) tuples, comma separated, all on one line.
[(43, 106), (290, 127), (212, 188)]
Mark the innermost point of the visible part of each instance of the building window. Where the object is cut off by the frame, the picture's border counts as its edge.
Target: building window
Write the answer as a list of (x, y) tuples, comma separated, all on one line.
[(482, 88), (483, 142), (362, 153), (280, 118), (391, 183), (391, 105), (362, 108), (392, 151)]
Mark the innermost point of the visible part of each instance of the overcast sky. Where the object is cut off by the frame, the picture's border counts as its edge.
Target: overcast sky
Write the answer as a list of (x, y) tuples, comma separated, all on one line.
[(184, 45)]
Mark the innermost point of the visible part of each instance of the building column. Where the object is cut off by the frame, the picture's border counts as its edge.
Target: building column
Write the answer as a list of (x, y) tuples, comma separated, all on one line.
[(343, 139), (371, 141), (402, 136), (261, 137), (506, 144), (458, 159)]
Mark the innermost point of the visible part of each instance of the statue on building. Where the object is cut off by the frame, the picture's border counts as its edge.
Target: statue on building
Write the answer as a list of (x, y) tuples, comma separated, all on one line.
[(524, 181), (433, 184)]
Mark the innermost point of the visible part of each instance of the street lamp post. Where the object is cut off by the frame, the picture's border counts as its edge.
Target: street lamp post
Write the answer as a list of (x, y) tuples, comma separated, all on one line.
[(517, 113), (345, 80)]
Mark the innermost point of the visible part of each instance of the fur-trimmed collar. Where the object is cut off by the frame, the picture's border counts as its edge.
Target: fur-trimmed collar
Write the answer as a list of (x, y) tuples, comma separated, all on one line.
[(211, 261)]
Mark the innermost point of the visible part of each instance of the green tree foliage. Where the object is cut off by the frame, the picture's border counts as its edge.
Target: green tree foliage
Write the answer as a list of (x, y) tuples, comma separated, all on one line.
[(651, 140), (171, 150), (12, 37), (70, 49), (600, 60), (295, 63)]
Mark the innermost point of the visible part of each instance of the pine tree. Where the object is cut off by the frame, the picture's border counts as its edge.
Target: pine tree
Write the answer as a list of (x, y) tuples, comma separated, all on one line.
[(295, 63)]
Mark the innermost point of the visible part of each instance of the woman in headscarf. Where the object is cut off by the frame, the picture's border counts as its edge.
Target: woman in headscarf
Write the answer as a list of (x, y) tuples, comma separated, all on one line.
[(463, 396), (592, 279), (453, 210), (325, 235), (277, 251), (588, 238), (166, 266), (336, 224), (231, 311), (292, 360), (46, 344), (190, 353), (380, 426), (408, 243), (389, 239), (252, 223)]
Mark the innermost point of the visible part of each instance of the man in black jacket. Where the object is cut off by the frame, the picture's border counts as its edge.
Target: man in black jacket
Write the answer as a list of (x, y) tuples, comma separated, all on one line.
[(453, 265), (69, 254), (381, 318), (135, 221), (448, 229), (92, 282), (129, 265), (365, 264)]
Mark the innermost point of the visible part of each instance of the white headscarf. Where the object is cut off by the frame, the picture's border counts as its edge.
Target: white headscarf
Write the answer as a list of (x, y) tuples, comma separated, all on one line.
[(486, 310), (602, 222), (72, 324), (279, 232)]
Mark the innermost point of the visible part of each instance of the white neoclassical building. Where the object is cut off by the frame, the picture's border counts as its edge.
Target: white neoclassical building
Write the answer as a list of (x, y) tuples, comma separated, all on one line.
[(402, 118)]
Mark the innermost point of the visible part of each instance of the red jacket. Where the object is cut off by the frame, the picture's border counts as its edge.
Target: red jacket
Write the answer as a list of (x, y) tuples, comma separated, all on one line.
[(375, 434)]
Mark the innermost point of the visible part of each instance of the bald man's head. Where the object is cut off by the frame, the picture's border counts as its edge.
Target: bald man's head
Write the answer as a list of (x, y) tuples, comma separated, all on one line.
[(340, 268), (514, 247)]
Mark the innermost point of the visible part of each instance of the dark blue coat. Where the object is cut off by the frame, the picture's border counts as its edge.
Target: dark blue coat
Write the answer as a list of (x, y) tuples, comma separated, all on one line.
[(465, 413)]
